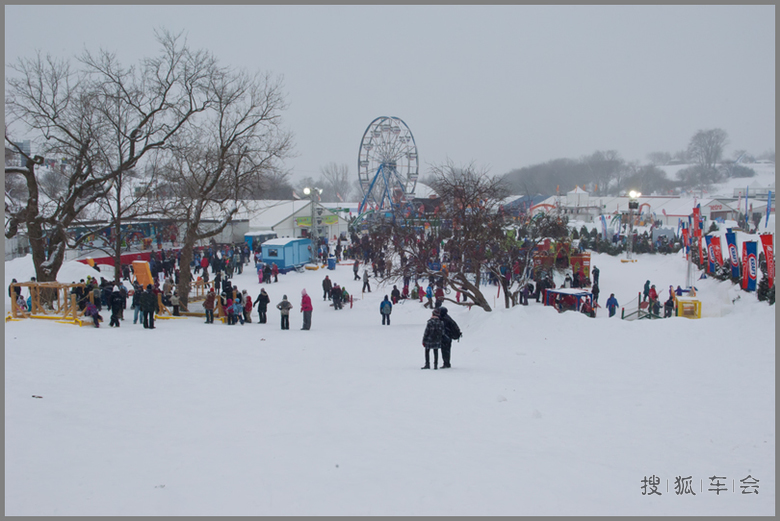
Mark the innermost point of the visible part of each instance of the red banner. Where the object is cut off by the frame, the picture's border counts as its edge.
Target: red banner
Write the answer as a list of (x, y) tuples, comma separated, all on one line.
[(769, 254), (697, 222), (745, 277), (717, 250)]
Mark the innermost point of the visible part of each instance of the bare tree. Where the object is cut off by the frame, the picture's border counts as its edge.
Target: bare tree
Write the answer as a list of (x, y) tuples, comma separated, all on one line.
[(215, 162), (461, 234), (604, 167), (104, 119), (531, 231), (706, 147), (336, 183)]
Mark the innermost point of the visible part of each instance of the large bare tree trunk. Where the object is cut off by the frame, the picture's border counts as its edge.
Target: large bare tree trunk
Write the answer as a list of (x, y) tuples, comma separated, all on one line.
[(185, 271)]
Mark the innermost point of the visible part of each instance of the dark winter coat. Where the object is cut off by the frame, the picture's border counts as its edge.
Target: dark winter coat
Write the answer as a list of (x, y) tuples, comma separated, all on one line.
[(262, 302), (117, 301), (386, 307), (148, 301), (451, 330), (327, 285), (434, 331), (209, 302)]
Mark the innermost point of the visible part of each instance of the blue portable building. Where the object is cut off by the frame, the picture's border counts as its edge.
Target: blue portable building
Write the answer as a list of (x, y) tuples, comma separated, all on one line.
[(287, 253)]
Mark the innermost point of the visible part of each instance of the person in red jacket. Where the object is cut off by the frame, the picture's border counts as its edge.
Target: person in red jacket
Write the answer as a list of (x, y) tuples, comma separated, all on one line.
[(306, 309), (652, 294)]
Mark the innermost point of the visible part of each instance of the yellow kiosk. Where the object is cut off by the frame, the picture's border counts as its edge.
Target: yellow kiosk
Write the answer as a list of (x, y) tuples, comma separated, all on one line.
[(688, 307)]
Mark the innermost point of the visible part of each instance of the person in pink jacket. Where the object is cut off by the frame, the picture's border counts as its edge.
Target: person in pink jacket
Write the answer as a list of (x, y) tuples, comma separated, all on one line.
[(306, 309)]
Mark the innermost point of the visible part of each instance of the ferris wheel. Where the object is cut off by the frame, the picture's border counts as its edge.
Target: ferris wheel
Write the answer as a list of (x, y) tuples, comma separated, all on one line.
[(387, 164)]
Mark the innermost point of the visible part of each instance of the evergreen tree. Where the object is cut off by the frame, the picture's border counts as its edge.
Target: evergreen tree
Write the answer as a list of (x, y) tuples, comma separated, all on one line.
[(763, 291)]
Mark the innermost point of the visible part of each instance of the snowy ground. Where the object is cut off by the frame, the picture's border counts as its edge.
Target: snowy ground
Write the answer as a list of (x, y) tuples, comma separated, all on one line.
[(541, 414)]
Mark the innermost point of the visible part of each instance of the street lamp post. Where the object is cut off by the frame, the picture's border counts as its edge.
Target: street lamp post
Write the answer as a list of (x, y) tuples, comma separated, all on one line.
[(633, 204), (313, 193)]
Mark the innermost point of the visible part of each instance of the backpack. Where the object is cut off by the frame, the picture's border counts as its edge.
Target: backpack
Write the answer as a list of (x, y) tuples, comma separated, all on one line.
[(452, 330)]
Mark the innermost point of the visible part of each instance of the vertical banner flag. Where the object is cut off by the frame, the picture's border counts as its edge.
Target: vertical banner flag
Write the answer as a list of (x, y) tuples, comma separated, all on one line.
[(710, 255), (744, 266), (769, 253), (768, 208), (747, 216), (716, 249), (731, 241), (697, 221), (604, 226), (751, 262), (685, 241), (700, 264)]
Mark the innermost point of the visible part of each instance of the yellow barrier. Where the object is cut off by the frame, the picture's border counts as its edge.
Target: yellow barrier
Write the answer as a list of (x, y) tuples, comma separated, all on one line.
[(688, 307)]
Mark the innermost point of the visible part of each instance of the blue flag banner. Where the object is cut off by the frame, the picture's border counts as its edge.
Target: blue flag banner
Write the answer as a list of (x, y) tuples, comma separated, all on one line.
[(768, 208), (731, 241), (604, 226), (710, 255), (751, 255)]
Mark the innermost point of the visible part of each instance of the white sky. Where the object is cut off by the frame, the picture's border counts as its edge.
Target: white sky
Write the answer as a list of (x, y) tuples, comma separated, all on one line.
[(503, 86)]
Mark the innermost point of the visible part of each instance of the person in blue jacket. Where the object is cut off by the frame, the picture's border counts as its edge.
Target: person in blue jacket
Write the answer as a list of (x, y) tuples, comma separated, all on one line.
[(612, 304), (385, 308)]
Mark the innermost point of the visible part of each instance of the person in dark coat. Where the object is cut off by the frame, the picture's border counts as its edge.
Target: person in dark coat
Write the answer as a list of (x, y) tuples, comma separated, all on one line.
[(18, 290), (395, 295), (262, 302), (434, 330), (115, 302), (148, 306), (327, 285), (336, 296), (267, 273), (669, 306), (595, 290), (595, 273), (136, 302), (105, 296), (451, 332)]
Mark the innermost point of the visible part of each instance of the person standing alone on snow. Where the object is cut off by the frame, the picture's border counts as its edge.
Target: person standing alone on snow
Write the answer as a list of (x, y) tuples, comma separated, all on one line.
[(327, 286), (385, 308), (612, 304), (365, 281), (434, 330), (306, 308), (285, 306)]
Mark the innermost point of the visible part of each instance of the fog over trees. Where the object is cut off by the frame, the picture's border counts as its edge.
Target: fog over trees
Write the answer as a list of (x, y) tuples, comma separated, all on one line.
[(605, 172)]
